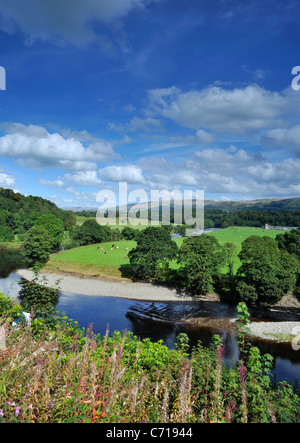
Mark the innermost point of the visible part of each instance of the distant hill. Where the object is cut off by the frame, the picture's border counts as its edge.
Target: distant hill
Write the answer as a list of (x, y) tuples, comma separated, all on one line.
[(276, 204), (287, 204)]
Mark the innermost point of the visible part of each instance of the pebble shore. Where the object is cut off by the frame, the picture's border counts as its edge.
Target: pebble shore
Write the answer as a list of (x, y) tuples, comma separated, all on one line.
[(275, 331), (123, 289)]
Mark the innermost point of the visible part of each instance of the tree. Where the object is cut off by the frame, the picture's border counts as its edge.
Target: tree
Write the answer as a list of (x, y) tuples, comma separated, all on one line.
[(230, 250), (202, 259), (69, 220), (53, 226), (155, 249), (266, 273), (37, 246), (6, 234), (128, 233), (91, 232), (290, 242)]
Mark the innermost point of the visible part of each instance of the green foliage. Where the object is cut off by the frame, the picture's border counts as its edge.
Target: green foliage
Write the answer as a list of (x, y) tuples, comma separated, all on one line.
[(154, 250), (128, 233), (53, 226), (90, 232), (37, 246), (71, 375), (39, 299), (290, 242), (19, 213), (6, 234), (243, 315), (202, 259), (9, 309), (267, 273), (69, 220)]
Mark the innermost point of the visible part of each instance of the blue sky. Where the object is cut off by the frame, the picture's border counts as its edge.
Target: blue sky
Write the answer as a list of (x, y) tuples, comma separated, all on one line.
[(161, 94)]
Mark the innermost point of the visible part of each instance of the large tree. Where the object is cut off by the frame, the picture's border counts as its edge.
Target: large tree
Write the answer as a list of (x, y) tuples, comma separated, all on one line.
[(290, 241), (267, 273), (202, 259), (91, 232), (154, 250), (37, 246), (54, 226)]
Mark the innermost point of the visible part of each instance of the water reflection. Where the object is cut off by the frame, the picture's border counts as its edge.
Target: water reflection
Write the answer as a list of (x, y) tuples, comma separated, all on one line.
[(10, 260)]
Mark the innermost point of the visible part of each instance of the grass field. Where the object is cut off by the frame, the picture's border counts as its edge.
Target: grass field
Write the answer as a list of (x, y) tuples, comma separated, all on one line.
[(93, 262)]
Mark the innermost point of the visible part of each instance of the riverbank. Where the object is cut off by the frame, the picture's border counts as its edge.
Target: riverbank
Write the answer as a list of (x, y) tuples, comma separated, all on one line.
[(124, 289), (274, 331), (283, 332)]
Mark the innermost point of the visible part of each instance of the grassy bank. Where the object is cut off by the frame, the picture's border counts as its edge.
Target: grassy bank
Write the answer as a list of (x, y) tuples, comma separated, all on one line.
[(92, 261)]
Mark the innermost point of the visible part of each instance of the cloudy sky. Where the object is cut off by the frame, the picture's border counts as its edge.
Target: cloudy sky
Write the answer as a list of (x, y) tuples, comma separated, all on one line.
[(162, 94)]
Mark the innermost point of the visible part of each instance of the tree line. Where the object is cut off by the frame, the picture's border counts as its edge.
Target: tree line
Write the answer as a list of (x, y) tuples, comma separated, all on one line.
[(269, 267), (18, 214)]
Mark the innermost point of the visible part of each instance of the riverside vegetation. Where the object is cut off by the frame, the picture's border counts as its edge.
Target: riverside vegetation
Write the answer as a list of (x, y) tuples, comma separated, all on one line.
[(57, 372)]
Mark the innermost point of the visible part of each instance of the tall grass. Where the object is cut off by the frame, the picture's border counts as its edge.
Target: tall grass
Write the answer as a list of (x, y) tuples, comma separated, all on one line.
[(71, 375)]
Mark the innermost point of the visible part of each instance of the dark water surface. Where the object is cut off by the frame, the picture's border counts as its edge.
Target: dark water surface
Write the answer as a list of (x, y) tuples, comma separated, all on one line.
[(162, 321)]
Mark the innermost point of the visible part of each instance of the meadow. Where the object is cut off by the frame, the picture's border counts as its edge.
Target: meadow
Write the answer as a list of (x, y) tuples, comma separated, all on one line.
[(95, 262)]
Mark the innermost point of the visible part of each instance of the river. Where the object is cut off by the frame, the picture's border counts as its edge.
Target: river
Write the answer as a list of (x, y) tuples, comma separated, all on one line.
[(162, 320)]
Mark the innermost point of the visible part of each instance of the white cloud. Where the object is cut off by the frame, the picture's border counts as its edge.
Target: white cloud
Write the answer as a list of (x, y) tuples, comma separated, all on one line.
[(36, 147), (238, 111), (7, 181), (59, 21), (230, 172), (137, 124), (286, 137), (55, 183), (130, 174), (84, 178)]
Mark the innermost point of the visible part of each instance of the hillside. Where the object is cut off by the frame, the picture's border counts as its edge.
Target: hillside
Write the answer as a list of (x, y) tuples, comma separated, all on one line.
[(19, 213)]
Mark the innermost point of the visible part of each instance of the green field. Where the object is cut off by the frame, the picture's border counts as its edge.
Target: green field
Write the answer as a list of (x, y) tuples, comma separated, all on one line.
[(93, 262)]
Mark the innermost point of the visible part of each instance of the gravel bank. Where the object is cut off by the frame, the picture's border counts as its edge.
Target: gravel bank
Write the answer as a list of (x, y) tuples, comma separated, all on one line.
[(129, 290), (285, 328)]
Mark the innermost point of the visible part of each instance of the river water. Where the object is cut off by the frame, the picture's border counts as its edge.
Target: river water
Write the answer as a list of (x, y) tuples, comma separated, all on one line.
[(163, 321)]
